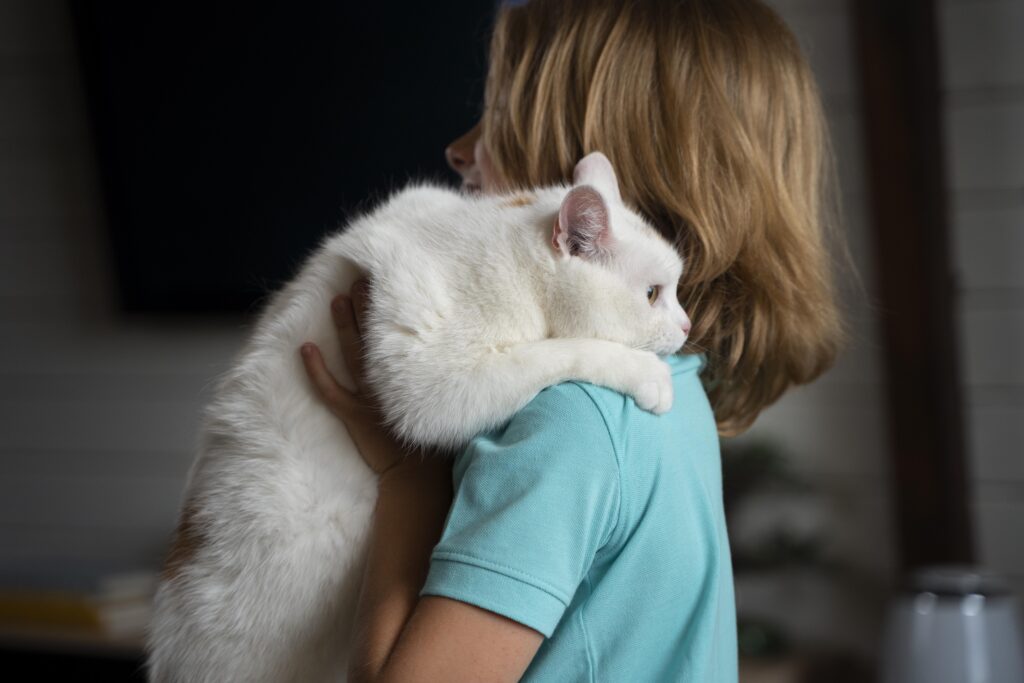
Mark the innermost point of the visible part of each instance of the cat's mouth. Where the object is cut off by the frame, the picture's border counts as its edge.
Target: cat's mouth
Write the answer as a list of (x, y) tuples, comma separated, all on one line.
[(471, 188), (665, 346)]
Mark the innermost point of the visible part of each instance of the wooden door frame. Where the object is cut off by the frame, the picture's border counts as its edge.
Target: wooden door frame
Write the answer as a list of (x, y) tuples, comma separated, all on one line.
[(897, 46)]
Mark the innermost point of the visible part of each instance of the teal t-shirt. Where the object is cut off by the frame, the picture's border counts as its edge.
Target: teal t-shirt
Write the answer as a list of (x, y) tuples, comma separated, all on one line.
[(601, 526)]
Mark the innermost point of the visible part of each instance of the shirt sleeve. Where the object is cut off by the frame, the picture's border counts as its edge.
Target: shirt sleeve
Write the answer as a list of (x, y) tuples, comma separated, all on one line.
[(536, 501)]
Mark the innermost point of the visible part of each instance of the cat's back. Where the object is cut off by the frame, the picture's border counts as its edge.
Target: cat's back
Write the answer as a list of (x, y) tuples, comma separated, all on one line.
[(416, 214), (435, 254), (437, 223)]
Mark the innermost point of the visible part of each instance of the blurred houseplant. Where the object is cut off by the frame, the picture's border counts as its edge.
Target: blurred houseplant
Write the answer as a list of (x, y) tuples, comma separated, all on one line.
[(758, 473)]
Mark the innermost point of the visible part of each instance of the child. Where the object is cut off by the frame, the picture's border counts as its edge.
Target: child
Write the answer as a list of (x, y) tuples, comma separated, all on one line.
[(586, 539)]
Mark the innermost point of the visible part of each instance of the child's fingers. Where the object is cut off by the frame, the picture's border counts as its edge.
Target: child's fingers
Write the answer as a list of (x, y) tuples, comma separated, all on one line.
[(345, 323), (339, 399)]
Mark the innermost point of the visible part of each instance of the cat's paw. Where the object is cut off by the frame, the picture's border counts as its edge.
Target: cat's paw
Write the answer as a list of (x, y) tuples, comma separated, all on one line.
[(652, 387)]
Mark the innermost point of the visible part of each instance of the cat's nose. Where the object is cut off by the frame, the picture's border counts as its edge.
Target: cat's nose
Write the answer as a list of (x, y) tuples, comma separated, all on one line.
[(686, 328)]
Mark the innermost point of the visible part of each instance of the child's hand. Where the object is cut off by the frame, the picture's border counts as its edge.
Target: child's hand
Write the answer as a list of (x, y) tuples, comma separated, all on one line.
[(379, 448)]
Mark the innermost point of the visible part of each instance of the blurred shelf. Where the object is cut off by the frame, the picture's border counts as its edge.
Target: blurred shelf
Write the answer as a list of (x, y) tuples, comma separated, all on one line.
[(68, 640)]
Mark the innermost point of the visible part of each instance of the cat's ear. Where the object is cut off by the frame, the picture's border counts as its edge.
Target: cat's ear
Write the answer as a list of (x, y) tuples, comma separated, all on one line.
[(595, 169), (583, 227)]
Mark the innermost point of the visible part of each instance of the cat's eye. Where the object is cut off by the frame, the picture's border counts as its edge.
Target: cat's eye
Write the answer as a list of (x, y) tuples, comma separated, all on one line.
[(652, 293)]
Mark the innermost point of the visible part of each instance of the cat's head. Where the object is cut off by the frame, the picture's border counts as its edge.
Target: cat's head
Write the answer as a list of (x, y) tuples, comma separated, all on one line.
[(632, 271)]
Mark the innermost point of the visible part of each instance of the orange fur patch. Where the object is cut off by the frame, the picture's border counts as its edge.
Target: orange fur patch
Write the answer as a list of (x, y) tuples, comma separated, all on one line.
[(519, 200), (187, 540)]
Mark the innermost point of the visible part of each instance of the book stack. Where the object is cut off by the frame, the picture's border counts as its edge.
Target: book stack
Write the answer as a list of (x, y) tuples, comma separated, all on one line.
[(115, 615)]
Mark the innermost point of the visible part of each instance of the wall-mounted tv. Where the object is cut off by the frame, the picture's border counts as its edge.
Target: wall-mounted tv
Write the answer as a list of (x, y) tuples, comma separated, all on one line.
[(231, 137)]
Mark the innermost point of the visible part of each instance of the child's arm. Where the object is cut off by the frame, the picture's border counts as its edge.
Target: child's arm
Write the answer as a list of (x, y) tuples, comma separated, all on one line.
[(403, 638), (398, 636)]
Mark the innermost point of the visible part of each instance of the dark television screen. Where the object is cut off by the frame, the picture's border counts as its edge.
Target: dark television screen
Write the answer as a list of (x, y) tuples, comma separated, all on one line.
[(232, 137)]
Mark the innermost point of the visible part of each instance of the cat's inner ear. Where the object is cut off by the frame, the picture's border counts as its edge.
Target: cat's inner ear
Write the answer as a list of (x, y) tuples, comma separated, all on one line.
[(596, 170), (583, 227)]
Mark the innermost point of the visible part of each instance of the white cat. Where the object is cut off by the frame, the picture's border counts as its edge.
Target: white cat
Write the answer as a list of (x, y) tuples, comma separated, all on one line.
[(477, 303)]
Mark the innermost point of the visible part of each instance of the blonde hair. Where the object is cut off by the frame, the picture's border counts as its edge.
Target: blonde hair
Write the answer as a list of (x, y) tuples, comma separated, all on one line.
[(712, 119)]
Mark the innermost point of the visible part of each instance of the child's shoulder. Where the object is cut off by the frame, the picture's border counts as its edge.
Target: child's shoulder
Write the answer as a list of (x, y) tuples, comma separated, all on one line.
[(619, 411), (581, 421), (564, 409)]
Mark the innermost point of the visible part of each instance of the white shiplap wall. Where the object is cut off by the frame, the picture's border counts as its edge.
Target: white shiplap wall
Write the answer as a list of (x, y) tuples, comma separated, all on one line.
[(983, 60), (97, 414)]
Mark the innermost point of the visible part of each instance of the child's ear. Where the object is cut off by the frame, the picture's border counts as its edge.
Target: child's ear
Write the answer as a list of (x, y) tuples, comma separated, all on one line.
[(595, 169), (583, 227)]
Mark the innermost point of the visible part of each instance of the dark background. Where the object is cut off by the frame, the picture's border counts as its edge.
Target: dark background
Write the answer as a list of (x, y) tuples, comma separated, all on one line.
[(232, 137)]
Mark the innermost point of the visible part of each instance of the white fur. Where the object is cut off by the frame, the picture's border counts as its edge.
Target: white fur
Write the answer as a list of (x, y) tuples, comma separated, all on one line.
[(476, 305)]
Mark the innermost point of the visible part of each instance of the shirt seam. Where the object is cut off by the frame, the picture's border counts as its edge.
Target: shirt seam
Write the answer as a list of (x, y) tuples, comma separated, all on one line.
[(618, 470), (498, 568), (587, 645)]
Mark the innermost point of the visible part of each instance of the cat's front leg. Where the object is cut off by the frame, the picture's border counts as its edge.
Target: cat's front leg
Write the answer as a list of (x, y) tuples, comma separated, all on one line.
[(640, 374), (459, 402)]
